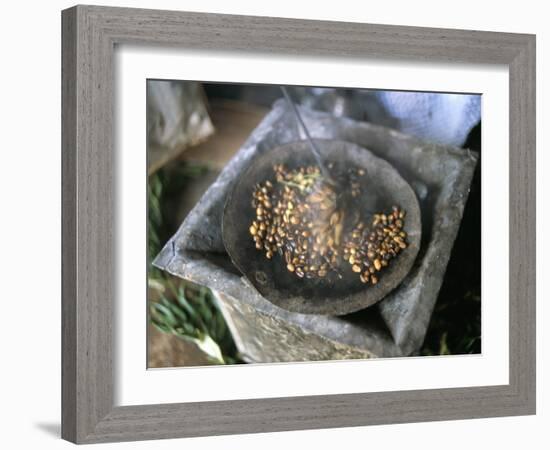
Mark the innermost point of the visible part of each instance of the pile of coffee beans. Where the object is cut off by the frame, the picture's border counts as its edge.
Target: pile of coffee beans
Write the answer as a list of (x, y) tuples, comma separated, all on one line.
[(370, 249), (297, 217)]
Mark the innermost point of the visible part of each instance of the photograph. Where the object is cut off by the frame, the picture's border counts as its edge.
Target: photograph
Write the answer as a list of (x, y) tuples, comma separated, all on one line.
[(308, 223)]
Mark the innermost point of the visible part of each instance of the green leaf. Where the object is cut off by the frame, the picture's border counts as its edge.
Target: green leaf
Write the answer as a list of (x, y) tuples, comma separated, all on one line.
[(443, 348), (211, 348), (167, 315), (161, 327)]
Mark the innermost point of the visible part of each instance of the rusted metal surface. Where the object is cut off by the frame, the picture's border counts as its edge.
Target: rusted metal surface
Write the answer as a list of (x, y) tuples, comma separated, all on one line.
[(337, 293)]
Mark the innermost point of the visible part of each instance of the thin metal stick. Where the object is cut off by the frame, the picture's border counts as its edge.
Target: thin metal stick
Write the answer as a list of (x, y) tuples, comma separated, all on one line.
[(313, 147)]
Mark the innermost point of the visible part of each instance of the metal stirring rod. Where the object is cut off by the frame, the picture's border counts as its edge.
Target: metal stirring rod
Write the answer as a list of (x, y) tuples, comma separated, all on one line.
[(313, 147)]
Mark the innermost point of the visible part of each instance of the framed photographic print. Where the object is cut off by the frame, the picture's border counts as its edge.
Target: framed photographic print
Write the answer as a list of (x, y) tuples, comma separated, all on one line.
[(277, 224)]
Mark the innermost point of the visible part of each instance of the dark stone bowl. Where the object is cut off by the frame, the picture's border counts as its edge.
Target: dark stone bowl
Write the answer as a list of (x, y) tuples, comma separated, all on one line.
[(383, 188)]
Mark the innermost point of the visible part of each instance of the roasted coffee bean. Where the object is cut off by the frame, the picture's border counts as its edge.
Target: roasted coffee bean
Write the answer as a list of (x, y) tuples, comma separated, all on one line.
[(298, 218)]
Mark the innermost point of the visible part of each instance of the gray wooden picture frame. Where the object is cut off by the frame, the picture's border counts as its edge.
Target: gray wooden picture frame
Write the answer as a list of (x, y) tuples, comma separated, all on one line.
[(89, 37)]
